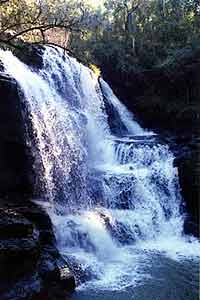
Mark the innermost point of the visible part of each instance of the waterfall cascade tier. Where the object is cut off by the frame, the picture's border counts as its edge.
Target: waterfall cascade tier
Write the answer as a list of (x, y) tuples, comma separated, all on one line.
[(110, 192)]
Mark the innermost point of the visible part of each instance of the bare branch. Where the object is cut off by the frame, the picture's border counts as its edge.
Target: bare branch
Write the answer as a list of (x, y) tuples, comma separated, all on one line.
[(37, 22), (3, 1)]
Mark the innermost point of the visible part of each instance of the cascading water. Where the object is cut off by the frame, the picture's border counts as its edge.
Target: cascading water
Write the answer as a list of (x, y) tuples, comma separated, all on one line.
[(112, 197)]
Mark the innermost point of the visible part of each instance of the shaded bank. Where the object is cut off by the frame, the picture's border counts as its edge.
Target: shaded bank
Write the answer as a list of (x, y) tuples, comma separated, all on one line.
[(165, 97)]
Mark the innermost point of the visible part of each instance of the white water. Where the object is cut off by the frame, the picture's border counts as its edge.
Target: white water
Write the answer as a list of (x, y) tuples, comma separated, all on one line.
[(112, 198)]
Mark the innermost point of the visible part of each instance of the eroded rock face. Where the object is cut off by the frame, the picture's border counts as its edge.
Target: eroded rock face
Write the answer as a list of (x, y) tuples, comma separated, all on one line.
[(13, 225), (30, 264), (187, 152), (15, 166), (189, 176), (19, 246), (30, 54)]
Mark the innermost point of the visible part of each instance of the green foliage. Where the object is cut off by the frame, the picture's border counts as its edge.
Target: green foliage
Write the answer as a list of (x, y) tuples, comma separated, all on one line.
[(127, 34), (41, 21), (138, 33)]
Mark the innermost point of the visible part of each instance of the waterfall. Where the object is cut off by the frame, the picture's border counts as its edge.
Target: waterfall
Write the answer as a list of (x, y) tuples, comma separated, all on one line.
[(111, 193)]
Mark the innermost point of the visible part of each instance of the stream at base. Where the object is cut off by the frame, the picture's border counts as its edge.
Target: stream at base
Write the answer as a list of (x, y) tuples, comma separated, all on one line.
[(160, 269), (163, 279)]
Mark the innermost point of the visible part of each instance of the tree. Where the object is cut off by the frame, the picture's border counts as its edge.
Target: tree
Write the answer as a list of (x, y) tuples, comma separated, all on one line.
[(40, 21), (125, 33)]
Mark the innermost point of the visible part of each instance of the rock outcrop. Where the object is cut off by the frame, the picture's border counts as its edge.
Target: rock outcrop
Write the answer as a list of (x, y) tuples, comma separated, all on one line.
[(187, 152), (30, 262), (15, 166), (189, 176)]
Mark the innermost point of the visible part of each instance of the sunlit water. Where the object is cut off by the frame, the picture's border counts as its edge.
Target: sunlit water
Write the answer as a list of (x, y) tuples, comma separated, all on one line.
[(114, 194)]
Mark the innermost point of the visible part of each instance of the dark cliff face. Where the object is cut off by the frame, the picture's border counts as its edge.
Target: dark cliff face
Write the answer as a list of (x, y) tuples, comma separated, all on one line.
[(15, 159), (30, 264), (189, 176), (30, 54)]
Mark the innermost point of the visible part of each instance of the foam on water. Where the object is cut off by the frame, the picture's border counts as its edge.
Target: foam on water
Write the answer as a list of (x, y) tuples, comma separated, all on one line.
[(118, 198)]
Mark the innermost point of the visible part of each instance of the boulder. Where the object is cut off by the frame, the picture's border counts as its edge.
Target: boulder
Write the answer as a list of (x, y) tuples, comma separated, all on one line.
[(29, 259), (13, 225), (18, 257)]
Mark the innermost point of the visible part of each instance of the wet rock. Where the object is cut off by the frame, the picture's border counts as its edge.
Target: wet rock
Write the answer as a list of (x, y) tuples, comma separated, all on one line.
[(187, 151), (15, 166), (55, 273), (82, 273), (123, 234), (18, 257), (65, 277), (13, 225), (30, 264), (19, 246), (1, 67), (29, 54), (51, 265), (189, 176), (39, 218), (116, 125), (191, 226), (27, 288)]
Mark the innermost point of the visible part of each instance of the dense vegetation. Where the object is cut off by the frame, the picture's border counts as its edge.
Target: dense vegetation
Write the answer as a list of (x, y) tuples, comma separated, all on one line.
[(126, 32)]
